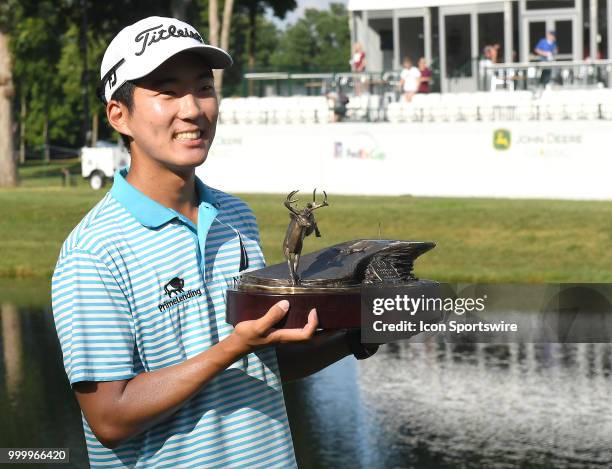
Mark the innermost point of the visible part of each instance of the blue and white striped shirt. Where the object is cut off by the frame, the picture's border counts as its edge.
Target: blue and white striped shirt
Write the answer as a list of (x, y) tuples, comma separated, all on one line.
[(138, 287)]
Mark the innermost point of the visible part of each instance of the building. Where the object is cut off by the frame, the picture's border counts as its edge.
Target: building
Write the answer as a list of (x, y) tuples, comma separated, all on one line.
[(451, 34)]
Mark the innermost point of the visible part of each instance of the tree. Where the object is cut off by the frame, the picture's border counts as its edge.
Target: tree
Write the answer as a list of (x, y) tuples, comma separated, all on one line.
[(8, 166), (255, 9), (213, 27), (36, 43), (237, 42), (69, 113), (320, 41), (249, 16), (97, 23), (179, 8), (238, 47)]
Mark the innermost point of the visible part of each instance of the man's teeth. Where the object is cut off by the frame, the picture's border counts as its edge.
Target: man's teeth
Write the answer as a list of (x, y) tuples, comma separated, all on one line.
[(187, 135)]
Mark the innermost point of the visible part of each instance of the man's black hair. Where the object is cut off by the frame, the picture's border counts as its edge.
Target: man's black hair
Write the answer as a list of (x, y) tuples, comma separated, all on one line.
[(125, 95)]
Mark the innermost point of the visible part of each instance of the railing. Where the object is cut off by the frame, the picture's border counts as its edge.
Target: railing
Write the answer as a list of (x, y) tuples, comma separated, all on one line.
[(309, 84), (288, 84), (534, 75)]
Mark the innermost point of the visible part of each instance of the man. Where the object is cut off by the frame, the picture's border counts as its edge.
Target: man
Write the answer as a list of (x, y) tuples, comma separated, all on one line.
[(139, 286), (545, 49), (409, 79)]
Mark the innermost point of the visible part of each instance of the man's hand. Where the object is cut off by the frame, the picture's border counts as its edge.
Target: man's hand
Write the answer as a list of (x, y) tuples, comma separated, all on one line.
[(261, 332), (118, 410)]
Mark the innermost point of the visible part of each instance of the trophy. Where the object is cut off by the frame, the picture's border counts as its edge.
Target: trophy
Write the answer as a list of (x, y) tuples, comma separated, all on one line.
[(329, 280)]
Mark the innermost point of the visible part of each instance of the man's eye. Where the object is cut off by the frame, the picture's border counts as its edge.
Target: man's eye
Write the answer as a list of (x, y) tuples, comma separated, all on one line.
[(207, 87), (167, 93)]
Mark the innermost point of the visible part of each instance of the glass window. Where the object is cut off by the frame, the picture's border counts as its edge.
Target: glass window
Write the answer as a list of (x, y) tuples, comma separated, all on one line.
[(411, 38), (549, 4), (564, 36), (537, 31), (491, 33), (458, 46)]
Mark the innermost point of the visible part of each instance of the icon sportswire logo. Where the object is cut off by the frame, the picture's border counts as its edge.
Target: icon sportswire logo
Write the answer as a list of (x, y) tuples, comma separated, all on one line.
[(175, 287)]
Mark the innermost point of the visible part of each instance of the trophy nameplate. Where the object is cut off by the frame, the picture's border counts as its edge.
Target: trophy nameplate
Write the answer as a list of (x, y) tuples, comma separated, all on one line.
[(329, 280)]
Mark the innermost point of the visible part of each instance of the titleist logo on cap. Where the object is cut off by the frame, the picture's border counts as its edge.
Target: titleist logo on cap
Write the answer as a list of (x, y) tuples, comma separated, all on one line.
[(158, 33), (128, 57)]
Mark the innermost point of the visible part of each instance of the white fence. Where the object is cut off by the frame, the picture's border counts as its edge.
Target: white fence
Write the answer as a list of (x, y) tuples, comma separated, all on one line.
[(563, 159), (276, 110), (435, 107), (508, 105)]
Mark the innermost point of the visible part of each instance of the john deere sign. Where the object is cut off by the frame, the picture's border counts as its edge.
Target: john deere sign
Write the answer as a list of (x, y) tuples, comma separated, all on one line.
[(501, 139)]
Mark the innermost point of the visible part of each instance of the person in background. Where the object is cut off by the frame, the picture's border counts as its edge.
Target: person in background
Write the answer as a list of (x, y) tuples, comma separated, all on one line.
[(358, 60), (545, 49), (337, 102), (425, 80), (409, 79), (495, 52), (358, 65)]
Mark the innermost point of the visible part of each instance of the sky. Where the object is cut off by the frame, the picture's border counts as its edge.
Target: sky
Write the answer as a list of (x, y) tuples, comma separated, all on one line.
[(303, 5)]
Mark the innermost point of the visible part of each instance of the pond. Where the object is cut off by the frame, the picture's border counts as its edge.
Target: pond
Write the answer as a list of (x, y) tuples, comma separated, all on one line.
[(429, 405)]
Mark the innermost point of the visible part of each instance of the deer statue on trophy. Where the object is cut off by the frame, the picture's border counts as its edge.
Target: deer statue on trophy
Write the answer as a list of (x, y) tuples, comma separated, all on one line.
[(302, 224)]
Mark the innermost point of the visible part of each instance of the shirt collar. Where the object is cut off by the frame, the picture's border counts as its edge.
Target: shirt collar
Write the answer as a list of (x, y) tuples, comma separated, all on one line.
[(147, 211)]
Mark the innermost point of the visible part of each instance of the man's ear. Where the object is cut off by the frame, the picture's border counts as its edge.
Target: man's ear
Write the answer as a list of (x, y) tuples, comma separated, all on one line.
[(117, 115)]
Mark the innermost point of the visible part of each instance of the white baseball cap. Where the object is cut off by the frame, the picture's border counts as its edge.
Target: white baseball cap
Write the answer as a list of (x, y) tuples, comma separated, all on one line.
[(140, 48)]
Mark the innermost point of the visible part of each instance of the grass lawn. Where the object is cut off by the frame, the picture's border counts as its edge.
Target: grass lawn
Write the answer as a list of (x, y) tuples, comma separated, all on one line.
[(39, 174), (484, 240)]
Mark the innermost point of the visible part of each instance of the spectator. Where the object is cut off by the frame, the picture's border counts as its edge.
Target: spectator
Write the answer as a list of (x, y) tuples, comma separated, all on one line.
[(409, 79), (490, 78), (486, 52), (425, 80), (495, 52), (358, 61), (338, 100), (358, 65), (545, 49), (485, 74)]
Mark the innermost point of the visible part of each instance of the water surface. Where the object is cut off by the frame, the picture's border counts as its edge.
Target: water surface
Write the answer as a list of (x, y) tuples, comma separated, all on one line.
[(430, 405)]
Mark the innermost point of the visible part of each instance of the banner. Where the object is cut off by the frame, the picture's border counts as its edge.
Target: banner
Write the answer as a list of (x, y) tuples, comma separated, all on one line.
[(555, 159)]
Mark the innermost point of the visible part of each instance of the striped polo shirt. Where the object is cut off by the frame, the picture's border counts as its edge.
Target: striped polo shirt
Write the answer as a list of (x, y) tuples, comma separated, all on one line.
[(138, 287)]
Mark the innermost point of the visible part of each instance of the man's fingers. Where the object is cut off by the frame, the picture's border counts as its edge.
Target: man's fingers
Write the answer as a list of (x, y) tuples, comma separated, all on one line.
[(274, 314), (296, 335), (313, 322), (288, 335)]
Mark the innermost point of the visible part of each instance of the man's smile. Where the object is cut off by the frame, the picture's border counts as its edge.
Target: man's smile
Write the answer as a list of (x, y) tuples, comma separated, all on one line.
[(188, 135)]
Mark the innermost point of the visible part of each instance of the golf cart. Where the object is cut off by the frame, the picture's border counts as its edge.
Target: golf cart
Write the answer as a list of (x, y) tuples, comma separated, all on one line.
[(99, 163)]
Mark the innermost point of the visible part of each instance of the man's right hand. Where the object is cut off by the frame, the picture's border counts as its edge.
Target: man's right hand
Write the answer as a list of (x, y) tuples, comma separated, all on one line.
[(260, 332), (118, 410)]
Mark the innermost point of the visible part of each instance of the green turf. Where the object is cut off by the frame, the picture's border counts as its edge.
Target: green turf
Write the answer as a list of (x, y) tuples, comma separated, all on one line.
[(485, 240)]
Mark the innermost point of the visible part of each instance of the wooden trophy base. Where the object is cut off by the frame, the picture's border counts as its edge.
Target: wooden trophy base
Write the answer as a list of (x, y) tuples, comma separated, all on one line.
[(335, 310)]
